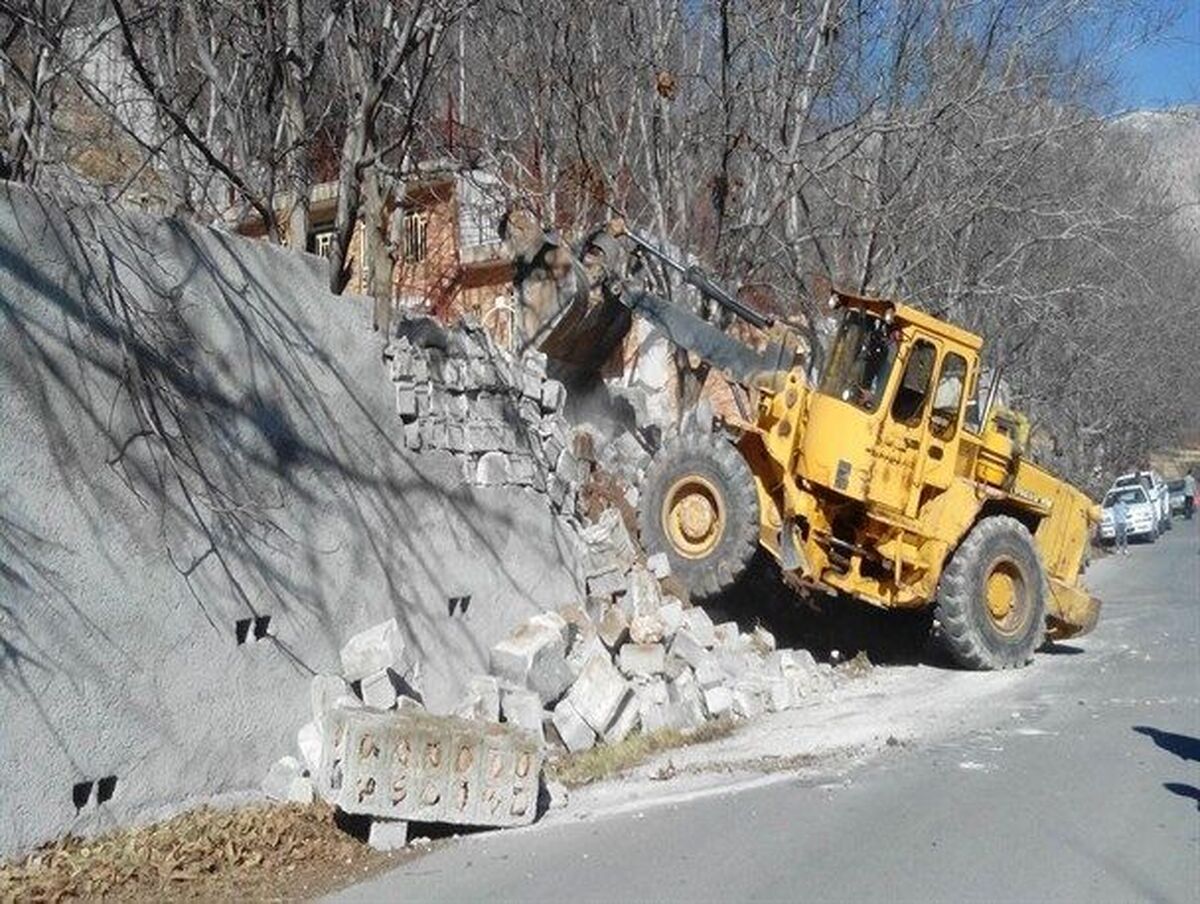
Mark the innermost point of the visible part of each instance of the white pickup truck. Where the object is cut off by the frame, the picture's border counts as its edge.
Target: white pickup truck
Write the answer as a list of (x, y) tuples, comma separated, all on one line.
[(1156, 490)]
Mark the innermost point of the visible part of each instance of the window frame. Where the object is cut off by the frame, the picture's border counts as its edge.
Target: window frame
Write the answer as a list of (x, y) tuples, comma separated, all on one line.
[(914, 419), (952, 427)]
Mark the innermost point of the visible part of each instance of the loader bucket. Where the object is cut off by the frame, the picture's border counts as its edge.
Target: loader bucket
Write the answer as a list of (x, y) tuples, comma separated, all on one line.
[(1070, 611), (585, 333)]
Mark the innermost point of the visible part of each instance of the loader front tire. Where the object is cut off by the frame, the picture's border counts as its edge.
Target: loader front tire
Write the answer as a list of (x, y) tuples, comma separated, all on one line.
[(699, 506), (991, 602)]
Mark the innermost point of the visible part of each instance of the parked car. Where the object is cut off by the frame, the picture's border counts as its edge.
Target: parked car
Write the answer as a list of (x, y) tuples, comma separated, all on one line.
[(1142, 514), (1155, 489), (1179, 498)]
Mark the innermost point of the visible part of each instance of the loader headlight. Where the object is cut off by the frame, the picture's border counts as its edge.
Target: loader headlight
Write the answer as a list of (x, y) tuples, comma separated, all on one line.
[(889, 315)]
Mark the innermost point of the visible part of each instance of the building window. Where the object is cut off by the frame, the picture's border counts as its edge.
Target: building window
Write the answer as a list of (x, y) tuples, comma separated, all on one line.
[(416, 224), (322, 241), (480, 207)]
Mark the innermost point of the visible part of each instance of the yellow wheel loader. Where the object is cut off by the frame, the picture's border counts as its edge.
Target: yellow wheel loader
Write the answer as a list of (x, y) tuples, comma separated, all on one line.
[(888, 482), (887, 478)]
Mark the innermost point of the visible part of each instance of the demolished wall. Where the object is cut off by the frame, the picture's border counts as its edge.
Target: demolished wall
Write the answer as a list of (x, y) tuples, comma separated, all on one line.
[(205, 490)]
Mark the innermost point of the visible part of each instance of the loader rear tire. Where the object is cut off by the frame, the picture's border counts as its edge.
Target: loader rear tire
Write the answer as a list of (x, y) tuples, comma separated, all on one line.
[(699, 506), (991, 602)]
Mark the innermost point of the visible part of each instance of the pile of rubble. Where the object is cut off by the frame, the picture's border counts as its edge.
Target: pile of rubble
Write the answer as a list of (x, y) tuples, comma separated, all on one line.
[(372, 750), (634, 657), (498, 415)]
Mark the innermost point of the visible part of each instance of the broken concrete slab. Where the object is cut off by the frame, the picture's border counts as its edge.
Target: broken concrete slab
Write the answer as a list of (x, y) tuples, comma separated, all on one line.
[(778, 694), (369, 652), (709, 673), (553, 396), (574, 731), (747, 700), (301, 791), (420, 767), (609, 546), (598, 692), (580, 627), (644, 659), (388, 834)]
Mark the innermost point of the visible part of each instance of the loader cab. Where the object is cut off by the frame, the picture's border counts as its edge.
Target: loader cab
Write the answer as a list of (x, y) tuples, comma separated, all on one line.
[(885, 420)]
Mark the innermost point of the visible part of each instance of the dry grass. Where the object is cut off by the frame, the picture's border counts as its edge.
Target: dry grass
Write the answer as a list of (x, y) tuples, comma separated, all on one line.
[(608, 760), (260, 853)]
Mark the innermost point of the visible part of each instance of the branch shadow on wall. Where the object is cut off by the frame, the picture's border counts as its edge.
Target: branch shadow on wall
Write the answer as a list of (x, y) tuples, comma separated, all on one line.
[(236, 433)]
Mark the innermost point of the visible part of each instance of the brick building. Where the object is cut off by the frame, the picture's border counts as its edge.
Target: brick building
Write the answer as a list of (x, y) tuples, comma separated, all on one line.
[(449, 258)]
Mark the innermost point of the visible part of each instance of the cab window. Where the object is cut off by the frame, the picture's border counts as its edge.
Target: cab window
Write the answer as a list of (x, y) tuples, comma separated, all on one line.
[(943, 418), (861, 360), (914, 383)]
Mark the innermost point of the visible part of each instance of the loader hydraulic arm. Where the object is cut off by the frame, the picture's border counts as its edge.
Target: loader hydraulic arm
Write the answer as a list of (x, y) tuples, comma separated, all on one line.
[(694, 277)]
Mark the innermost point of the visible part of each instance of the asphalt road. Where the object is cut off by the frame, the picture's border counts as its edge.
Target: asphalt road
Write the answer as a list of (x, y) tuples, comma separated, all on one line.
[(1084, 787)]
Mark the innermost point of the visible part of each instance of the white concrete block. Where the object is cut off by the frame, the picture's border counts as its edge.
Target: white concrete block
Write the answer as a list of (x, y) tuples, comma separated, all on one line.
[(309, 740), (670, 613), (378, 690), (687, 647), (535, 657), (368, 652), (718, 700), (576, 734), (642, 659), (624, 722), (388, 834), (659, 565), (643, 592), (598, 692), (646, 629), (613, 628), (700, 625), (330, 691), (481, 700), (278, 782), (522, 708)]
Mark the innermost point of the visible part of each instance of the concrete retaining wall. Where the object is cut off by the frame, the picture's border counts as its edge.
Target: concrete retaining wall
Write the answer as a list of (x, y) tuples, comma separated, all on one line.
[(204, 491)]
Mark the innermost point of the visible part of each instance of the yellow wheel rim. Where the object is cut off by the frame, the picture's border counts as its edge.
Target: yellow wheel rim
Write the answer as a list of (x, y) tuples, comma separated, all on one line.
[(693, 516), (1006, 596)]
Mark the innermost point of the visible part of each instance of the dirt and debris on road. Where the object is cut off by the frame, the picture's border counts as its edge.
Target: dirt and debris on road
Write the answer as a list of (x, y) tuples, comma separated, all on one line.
[(259, 853)]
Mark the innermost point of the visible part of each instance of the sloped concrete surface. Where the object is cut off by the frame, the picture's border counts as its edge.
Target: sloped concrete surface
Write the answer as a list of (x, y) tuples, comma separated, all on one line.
[(204, 492)]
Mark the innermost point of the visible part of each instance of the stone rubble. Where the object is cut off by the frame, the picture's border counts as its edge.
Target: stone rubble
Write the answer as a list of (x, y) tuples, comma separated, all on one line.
[(641, 659)]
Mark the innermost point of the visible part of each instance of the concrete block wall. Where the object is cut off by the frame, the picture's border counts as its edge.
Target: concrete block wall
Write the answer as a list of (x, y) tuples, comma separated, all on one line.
[(205, 490), (497, 415)]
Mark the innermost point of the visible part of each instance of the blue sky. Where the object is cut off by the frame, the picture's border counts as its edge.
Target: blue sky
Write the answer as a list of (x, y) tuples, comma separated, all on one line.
[(1166, 71)]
